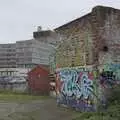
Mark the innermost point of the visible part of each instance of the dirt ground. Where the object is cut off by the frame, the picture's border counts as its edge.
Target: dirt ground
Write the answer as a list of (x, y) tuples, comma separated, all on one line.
[(34, 110)]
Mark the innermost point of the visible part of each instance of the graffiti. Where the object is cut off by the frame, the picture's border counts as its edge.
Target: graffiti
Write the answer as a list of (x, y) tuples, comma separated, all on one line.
[(107, 79), (110, 75), (79, 89), (68, 79), (76, 89), (86, 85), (111, 67)]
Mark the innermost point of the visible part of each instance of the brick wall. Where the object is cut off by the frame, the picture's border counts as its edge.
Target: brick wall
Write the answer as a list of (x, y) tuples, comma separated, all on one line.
[(77, 43), (91, 39), (108, 20)]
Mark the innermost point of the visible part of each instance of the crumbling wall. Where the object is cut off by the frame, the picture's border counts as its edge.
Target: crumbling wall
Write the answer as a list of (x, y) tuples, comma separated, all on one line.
[(76, 47), (107, 47), (108, 44), (108, 32), (95, 37)]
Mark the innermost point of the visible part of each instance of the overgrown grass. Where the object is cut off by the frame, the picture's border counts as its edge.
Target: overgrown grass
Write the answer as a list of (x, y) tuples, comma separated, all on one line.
[(19, 96), (113, 113)]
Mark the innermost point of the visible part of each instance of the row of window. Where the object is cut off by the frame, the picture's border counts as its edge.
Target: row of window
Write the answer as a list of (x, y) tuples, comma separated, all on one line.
[(7, 50), (26, 65), (7, 59), (7, 46), (7, 54), (8, 66), (4, 73)]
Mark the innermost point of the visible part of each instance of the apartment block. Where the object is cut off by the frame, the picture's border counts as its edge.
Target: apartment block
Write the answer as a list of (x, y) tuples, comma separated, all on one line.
[(25, 54), (7, 55), (30, 53)]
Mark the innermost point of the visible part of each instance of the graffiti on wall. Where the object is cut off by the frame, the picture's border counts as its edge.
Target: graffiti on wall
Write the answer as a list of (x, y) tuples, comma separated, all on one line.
[(76, 89), (110, 75)]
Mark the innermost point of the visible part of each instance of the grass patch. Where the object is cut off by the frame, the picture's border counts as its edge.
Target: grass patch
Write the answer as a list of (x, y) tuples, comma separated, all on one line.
[(12, 97), (113, 113), (19, 97)]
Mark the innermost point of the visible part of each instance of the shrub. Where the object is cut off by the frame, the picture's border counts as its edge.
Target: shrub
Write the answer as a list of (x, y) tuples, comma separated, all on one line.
[(114, 97)]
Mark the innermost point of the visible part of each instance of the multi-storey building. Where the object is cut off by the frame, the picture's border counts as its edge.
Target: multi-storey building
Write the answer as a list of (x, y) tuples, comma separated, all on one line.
[(8, 55), (18, 58), (30, 53), (25, 54)]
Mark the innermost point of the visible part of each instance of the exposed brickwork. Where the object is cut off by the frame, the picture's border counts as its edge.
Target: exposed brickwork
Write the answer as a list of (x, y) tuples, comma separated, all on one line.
[(85, 39), (77, 43), (108, 35)]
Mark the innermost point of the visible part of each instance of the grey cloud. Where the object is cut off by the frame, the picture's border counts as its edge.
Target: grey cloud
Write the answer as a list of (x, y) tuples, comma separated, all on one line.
[(19, 18)]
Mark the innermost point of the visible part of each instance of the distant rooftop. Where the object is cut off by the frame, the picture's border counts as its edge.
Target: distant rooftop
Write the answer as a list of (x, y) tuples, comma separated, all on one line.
[(42, 33)]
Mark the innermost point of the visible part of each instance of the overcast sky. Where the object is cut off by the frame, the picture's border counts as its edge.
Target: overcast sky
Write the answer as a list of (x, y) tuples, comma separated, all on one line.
[(19, 18)]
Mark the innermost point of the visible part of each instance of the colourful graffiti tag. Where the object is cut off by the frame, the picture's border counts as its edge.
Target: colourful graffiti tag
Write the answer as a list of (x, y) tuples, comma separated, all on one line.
[(76, 89), (110, 76), (86, 85)]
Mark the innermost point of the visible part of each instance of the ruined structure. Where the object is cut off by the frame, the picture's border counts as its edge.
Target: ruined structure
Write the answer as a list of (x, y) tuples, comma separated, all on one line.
[(88, 58), (94, 36)]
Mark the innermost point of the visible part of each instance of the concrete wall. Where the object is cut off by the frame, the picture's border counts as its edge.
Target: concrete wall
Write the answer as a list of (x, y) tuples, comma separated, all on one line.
[(33, 52), (25, 54), (46, 36), (41, 52), (7, 55)]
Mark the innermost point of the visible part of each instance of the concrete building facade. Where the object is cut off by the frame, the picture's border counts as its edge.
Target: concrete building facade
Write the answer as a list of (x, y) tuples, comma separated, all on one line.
[(8, 55), (32, 52), (25, 54), (19, 58), (47, 36), (16, 60)]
